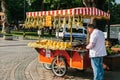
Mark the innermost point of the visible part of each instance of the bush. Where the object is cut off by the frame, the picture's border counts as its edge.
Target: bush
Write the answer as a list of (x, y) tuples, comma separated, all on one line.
[(116, 46), (8, 35), (109, 51)]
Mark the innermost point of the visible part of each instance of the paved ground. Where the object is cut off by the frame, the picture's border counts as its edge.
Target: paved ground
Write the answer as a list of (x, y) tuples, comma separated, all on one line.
[(19, 62)]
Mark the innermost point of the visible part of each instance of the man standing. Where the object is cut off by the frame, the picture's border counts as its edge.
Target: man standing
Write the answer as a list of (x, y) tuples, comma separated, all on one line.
[(97, 51)]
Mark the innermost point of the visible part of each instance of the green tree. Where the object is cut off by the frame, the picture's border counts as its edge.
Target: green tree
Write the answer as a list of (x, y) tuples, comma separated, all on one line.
[(114, 9), (54, 4), (14, 9)]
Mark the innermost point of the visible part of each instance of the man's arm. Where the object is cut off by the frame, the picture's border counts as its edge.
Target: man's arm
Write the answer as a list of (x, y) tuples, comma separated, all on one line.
[(90, 45)]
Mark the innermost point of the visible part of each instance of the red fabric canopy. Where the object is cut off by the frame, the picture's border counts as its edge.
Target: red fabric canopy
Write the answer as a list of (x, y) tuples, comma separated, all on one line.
[(83, 11)]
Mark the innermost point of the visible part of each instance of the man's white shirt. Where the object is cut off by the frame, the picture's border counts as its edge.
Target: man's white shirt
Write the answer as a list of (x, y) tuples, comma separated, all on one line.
[(97, 44)]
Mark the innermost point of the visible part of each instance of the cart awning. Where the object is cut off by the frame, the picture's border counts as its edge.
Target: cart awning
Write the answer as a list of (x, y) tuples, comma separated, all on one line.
[(82, 11)]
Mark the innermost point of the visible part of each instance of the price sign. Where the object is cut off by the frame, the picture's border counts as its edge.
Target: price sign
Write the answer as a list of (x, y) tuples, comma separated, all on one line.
[(48, 21), (48, 53)]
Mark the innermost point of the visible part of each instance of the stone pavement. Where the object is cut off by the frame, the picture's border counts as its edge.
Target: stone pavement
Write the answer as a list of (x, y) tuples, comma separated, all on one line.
[(19, 62)]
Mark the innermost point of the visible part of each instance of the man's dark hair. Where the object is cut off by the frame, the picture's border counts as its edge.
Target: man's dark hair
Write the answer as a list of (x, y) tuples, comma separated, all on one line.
[(91, 26)]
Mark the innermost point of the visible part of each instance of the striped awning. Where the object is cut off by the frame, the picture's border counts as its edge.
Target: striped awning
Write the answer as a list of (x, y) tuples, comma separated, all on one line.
[(83, 11)]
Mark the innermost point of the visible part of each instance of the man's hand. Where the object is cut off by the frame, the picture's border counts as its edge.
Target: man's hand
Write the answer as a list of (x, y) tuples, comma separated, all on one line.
[(90, 46)]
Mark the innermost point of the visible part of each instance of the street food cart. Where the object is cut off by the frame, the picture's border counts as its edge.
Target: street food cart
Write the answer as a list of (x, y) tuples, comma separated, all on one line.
[(55, 54)]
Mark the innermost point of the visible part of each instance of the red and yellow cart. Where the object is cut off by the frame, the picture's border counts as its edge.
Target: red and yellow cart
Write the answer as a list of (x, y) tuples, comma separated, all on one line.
[(58, 55)]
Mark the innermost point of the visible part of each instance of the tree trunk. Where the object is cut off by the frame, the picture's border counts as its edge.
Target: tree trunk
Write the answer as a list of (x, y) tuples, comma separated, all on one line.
[(94, 3), (100, 24), (89, 3), (50, 3), (42, 6), (5, 20), (98, 4)]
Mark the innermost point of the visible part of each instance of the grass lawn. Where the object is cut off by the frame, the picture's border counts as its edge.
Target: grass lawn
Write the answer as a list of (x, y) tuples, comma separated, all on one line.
[(31, 35), (20, 33)]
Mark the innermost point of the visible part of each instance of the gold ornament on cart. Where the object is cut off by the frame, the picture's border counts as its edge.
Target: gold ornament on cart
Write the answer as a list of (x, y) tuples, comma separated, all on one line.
[(50, 44)]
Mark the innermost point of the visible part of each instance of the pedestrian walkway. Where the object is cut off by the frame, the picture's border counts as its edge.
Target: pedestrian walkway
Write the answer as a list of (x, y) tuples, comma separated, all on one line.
[(19, 62)]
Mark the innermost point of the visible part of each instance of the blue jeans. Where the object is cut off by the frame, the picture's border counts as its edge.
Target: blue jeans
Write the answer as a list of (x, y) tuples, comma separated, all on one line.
[(97, 65)]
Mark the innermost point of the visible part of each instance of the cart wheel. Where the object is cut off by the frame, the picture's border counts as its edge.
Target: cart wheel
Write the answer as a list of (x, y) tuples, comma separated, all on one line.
[(59, 66), (47, 66)]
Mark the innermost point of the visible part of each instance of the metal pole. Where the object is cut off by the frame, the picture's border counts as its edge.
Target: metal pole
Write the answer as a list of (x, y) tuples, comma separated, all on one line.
[(108, 30), (24, 10), (24, 19)]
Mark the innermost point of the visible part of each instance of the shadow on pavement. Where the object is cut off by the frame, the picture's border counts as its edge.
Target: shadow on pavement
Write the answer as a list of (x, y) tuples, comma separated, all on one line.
[(82, 74)]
